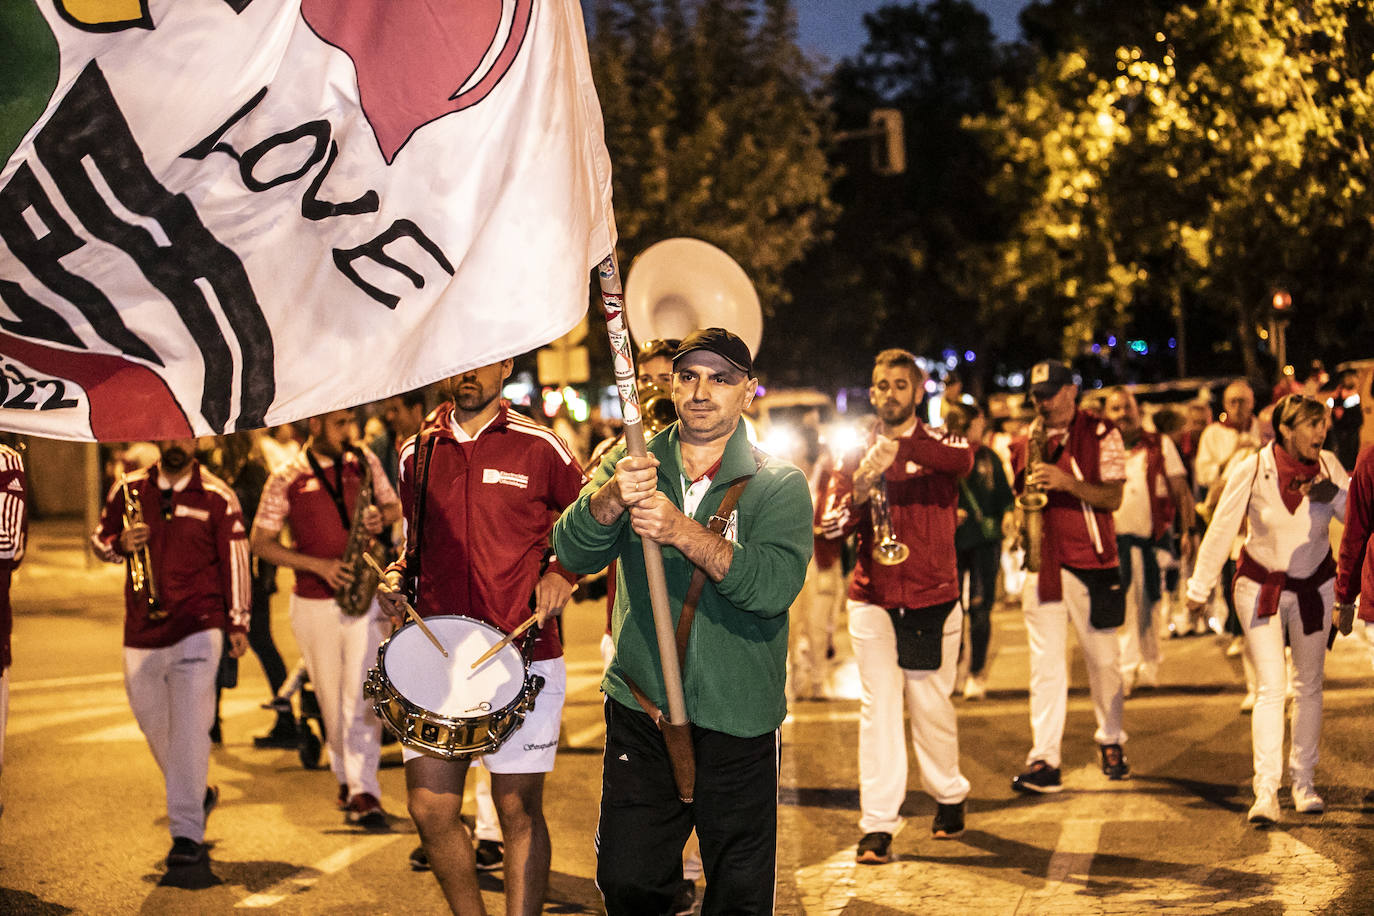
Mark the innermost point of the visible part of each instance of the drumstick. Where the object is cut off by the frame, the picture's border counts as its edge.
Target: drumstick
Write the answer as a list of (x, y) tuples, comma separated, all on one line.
[(371, 561), (507, 641)]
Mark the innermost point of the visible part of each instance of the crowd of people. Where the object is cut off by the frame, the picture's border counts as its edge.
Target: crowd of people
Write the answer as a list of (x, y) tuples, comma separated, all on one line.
[(1120, 526)]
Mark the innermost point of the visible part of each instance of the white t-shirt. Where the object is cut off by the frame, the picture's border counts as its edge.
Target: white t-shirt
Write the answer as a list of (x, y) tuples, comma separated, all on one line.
[(1134, 517)]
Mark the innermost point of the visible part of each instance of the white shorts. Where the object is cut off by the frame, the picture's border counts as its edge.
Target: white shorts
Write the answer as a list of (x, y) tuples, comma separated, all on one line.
[(531, 748)]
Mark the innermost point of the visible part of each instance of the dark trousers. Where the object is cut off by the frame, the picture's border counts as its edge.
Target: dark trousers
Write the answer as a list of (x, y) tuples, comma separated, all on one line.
[(980, 564), (644, 825), (260, 634)]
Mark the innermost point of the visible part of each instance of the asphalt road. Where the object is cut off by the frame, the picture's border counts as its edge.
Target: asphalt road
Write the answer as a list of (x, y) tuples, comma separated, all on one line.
[(84, 829)]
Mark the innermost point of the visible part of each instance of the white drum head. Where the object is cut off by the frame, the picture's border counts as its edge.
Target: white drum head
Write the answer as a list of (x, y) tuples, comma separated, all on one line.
[(450, 686)]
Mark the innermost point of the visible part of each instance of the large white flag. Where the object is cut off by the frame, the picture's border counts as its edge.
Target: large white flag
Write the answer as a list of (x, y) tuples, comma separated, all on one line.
[(236, 213)]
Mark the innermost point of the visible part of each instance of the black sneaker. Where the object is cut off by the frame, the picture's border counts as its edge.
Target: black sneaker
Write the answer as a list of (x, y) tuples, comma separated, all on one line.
[(949, 821), (1041, 779), (685, 900), (283, 736), (1114, 764), (211, 799), (419, 859), (216, 734), (873, 849), (184, 852), (490, 855), (366, 811)]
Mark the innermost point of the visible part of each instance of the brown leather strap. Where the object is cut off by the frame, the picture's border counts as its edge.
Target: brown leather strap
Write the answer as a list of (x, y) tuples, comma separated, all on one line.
[(717, 524)]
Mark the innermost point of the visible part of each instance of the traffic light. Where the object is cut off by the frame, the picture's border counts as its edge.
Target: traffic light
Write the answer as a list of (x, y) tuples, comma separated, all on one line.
[(1281, 302), (889, 141)]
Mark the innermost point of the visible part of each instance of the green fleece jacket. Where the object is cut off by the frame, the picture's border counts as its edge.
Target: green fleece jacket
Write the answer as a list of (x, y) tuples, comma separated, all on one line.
[(736, 663)]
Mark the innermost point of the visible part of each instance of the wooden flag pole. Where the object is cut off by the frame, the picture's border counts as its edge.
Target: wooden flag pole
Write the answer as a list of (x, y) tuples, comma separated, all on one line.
[(613, 302)]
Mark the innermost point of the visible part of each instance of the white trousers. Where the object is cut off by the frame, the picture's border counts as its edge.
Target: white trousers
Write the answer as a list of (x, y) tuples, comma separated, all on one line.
[(1264, 644), (934, 728), (172, 694), (811, 622), (1139, 634), (338, 650), (1047, 632)]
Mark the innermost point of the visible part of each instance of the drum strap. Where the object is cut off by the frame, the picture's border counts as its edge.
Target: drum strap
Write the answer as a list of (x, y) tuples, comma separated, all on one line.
[(689, 601), (424, 449)]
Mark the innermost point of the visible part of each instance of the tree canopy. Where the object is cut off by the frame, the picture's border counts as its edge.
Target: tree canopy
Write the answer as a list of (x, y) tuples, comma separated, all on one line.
[(715, 131), (1216, 160)]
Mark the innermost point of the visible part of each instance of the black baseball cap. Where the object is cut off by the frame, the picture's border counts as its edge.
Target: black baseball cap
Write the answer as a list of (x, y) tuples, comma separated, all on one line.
[(720, 342), (1048, 377)]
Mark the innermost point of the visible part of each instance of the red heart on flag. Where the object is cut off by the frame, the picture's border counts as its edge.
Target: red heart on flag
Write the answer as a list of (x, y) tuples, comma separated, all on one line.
[(418, 60)]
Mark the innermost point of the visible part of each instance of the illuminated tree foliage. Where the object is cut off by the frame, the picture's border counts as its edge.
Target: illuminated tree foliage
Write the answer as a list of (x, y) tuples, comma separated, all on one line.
[(713, 130), (1222, 157)]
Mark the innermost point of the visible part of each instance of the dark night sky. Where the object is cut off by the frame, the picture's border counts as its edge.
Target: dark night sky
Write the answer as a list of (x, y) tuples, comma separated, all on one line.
[(834, 28)]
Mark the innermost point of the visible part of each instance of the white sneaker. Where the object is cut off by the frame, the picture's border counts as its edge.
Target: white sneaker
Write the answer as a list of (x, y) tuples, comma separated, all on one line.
[(1235, 647), (1248, 704), (974, 689), (1306, 800), (1265, 810)]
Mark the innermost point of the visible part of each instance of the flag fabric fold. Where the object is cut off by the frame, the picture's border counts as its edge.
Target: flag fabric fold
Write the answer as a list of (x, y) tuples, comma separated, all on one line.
[(238, 213)]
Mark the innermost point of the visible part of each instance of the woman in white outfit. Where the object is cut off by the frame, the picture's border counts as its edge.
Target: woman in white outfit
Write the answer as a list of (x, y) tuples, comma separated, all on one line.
[(1286, 495)]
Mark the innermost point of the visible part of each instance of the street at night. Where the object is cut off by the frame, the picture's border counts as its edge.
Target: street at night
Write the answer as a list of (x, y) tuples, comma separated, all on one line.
[(84, 829)]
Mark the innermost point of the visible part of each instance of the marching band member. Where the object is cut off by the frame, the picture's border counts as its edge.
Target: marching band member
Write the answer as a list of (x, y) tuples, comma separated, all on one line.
[(481, 486), (317, 492), (181, 530), (1082, 470), (902, 618), (1286, 494)]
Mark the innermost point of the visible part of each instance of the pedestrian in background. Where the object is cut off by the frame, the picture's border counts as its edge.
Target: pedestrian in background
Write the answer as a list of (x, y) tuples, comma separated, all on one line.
[(1285, 496), (1154, 494), (984, 500)]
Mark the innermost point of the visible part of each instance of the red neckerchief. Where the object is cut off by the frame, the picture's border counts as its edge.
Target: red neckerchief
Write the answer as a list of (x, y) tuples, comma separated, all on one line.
[(1292, 475), (711, 471)]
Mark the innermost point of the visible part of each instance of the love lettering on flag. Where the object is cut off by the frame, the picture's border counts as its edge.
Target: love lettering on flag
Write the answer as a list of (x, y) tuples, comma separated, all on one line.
[(238, 213)]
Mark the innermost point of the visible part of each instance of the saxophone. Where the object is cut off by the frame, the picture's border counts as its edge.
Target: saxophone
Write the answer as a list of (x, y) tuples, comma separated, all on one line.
[(140, 561), (356, 597), (1030, 505)]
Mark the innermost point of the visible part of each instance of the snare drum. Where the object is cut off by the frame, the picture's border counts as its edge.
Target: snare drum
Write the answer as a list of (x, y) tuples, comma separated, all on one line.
[(441, 706)]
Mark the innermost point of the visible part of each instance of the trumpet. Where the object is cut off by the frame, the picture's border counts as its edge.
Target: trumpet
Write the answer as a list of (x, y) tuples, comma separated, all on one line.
[(140, 561), (1030, 505), (887, 550)]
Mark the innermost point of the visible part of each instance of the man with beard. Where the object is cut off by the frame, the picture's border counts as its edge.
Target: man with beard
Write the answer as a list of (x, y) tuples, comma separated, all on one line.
[(1154, 494), (748, 564), (1081, 470), (901, 620), (481, 487), (193, 532), (317, 492)]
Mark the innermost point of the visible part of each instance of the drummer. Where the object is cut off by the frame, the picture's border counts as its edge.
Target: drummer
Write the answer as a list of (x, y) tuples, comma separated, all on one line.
[(492, 482)]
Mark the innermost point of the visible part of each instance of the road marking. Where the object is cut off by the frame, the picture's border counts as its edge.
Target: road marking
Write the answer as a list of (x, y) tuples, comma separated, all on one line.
[(29, 722), (53, 683), (129, 731), (329, 865)]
